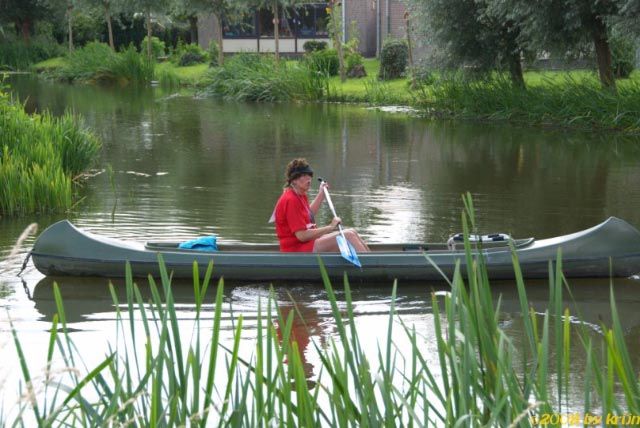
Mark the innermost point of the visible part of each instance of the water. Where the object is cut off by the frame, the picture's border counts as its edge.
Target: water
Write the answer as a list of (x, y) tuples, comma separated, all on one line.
[(185, 166)]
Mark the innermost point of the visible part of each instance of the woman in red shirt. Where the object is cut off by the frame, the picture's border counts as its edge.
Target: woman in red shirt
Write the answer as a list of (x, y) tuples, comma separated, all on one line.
[(295, 217)]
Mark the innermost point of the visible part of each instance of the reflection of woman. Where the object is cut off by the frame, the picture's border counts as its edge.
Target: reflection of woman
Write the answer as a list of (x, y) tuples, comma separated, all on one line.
[(295, 217)]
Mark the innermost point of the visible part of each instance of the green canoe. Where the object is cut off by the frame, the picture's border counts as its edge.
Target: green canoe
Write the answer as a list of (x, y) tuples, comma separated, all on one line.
[(610, 248)]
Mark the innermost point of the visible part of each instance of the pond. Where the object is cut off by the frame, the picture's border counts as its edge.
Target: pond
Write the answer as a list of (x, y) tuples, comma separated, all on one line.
[(176, 166)]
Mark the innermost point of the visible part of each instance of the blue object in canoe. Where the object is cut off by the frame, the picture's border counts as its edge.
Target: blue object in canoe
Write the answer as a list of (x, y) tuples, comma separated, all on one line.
[(205, 243)]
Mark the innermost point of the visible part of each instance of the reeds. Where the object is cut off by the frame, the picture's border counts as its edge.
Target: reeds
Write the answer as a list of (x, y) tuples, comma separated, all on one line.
[(39, 157), (252, 77), (17, 55), (97, 62), (567, 102), (154, 376)]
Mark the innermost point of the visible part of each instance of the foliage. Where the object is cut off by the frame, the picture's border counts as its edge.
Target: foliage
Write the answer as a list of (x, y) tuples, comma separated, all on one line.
[(314, 45), (623, 56), (189, 54), (477, 376), (39, 157), (353, 59), (393, 59), (97, 62), (213, 52), (158, 48), (253, 77), (324, 61), (23, 14), (569, 102), (17, 55)]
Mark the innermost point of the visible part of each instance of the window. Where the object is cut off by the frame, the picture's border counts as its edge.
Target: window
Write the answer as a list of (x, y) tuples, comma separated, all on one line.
[(305, 21), (243, 26)]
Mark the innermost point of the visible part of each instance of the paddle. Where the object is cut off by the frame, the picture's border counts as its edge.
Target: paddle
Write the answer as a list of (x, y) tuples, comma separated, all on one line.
[(346, 249)]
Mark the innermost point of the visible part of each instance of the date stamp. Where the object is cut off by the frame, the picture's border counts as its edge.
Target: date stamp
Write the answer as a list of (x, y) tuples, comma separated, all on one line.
[(584, 419)]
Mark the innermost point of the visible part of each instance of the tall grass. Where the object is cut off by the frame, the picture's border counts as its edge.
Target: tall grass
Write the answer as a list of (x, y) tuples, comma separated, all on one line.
[(251, 77), (17, 55), (96, 62), (39, 157), (569, 102), (483, 378)]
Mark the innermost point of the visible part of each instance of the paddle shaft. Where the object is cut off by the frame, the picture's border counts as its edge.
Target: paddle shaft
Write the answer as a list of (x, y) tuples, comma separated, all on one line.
[(333, 210)]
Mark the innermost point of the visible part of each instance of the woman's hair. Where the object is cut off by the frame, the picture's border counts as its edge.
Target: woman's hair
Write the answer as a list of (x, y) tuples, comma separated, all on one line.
[(295, 169)]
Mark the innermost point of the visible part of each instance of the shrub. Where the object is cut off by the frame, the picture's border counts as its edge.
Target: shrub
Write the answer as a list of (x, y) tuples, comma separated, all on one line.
[(158, 47), (325, 62), (421, 76), (314, 46), (353, 60), (189, 54), (393, 59), (214, 51), (623, 56)]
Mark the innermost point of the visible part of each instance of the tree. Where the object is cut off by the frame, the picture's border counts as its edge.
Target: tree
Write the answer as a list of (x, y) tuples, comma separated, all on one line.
[(221, 10), (158, 6), (108, 8), (23, 14), (564, 25), (336, 31), (471, 33)]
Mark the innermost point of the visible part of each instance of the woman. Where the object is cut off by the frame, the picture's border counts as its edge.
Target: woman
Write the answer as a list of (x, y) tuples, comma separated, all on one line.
[(295, 217)]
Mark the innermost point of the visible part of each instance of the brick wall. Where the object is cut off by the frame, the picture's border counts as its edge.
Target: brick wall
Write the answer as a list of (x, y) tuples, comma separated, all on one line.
[(207, 30), (364, 13)]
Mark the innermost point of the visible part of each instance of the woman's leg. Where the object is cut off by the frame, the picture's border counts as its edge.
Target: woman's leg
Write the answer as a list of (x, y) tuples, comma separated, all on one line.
[(328, 243)]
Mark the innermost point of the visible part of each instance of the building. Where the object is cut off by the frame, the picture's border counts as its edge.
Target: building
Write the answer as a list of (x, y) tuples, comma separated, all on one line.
[(375, 20)]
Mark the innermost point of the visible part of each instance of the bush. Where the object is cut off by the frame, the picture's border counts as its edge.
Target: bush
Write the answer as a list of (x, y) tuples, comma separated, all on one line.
[(158, 48), (393, 59), (353, 60), (189, 54), (324, 61), (421, 76), (214, 51), (314, 46), (623, 56), (15, 54)]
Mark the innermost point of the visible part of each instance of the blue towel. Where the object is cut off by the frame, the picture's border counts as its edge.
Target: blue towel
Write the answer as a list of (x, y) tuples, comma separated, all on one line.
[(205, 243)]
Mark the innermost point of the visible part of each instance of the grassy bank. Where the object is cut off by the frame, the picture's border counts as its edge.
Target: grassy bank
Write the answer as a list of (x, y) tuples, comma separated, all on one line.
[(482, 376), (39, 157), (571, 99)]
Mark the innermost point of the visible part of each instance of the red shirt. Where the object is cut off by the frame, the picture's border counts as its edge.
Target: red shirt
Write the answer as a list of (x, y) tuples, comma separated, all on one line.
[(292, 215)]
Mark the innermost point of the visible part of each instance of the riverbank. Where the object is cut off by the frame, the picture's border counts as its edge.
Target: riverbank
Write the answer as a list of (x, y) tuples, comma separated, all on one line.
[(570, 99)]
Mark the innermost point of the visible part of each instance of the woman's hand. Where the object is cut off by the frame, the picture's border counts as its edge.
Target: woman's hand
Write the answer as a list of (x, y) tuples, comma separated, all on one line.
[(335, 222)]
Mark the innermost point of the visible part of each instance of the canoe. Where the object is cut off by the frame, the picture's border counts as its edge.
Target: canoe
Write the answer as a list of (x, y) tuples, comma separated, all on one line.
[(611, 248)]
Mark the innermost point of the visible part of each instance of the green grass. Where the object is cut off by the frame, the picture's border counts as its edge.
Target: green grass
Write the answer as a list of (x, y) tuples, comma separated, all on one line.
[(49, 65), (192, 75), (482, 377), (40, 155)]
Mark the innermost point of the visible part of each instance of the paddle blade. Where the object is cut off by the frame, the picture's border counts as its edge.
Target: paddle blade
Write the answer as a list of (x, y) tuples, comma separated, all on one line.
[(347, 251)]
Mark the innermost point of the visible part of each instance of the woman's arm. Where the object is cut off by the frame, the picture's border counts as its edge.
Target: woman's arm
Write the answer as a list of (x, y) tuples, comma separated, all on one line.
[(309, 234), (317, 201)]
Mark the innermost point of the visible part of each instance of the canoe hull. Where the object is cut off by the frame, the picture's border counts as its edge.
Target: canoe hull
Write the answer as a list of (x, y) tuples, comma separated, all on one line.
[(609, 249)]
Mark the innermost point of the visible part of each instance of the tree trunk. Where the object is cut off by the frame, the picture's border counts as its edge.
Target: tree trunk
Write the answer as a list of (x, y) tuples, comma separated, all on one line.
[(149, 33), (107, 17), (220, 40), (337, 42), (276, 28), (515, 69), (69, 21), (25, 29), (193, 28), (603, 53)]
